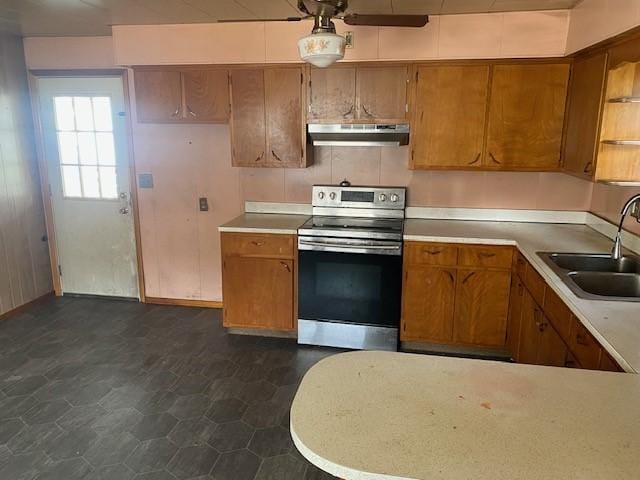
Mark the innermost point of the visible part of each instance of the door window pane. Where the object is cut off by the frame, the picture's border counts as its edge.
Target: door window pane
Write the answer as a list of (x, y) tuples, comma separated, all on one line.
[(84, 113), (108, 183), (102, 114), (71, 181), (68, 143), (90, 182), (64, 113), (106, 150), (85, 136)]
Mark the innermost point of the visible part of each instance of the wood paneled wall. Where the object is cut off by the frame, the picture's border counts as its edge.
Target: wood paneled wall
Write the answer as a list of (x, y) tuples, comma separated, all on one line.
[(25, 271)]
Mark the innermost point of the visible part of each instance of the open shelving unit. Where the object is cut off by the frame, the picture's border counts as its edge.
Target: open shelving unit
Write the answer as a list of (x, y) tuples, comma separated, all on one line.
[(619, 151)]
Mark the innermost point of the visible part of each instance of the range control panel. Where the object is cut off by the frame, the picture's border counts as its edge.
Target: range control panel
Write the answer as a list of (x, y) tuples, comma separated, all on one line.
[(334, 196)]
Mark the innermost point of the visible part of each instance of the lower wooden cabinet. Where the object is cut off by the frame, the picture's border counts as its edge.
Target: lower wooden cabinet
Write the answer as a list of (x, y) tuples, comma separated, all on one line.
[(258, 281), (450, 296), (481, 308), (428, 304)]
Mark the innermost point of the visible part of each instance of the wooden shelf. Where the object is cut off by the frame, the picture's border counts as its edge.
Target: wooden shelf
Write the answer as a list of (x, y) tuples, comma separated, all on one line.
[(624, 100), (635, 143)]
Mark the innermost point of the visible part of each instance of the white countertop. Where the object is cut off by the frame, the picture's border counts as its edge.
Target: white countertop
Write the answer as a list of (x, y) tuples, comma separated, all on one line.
[(616, 325), (265, 223), (398, 416)]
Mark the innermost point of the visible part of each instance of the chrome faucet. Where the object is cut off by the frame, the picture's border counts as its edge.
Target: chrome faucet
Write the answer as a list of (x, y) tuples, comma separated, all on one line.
[(633, 206)]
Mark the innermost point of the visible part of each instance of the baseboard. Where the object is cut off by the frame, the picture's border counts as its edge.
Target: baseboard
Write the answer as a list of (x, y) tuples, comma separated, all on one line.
[(21, 308), (179, 302)]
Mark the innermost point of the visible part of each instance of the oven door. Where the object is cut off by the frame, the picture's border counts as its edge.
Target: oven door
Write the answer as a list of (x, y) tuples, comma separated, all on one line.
[(348, 298)]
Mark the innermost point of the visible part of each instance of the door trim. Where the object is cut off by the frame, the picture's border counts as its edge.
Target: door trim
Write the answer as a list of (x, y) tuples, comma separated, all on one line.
[(34, 76)]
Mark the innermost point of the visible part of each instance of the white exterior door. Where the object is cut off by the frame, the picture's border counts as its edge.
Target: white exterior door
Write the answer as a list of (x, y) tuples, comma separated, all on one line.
[(85, 148)]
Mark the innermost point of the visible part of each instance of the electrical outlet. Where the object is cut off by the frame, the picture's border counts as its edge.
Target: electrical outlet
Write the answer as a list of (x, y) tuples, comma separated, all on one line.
[(145, 180), (635, 211), (204, 204), (348, 36)]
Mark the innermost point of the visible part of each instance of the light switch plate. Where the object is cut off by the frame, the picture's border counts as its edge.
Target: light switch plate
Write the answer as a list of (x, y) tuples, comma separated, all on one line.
[(145, 180)]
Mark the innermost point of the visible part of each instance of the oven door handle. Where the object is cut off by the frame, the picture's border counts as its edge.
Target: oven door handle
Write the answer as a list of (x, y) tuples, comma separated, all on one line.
[(349, 246)]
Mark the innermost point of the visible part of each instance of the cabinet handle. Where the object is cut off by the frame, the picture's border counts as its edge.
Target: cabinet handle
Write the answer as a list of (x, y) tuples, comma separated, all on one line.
[(432, 252), (260, 157), (191, 112), (370, 115), (286, 266), (450, 276), (256, 243), (587, 167), (486, 255), (348, 112), (468, 277), (582, 340), (476, 160), (493, 158), (276, 156)]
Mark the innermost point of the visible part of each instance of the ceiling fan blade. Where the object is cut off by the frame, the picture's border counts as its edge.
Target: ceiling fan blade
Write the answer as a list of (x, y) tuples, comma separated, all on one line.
[(386, 20), (245, 20)]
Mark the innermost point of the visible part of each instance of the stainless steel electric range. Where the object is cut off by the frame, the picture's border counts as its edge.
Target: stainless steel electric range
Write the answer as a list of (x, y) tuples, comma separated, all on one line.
[(350, 267)]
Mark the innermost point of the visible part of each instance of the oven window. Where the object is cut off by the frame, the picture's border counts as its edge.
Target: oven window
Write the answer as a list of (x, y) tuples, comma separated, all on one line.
[(354, 288)]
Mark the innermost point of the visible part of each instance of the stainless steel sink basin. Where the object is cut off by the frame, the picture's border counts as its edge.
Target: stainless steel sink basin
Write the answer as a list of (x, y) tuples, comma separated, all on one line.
[(619, 285), (595, 262), (597, 276)]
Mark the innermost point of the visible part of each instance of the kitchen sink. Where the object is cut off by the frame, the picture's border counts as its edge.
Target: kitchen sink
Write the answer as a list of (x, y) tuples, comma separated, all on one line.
[(597, 276), (585, 262), (605, 284)]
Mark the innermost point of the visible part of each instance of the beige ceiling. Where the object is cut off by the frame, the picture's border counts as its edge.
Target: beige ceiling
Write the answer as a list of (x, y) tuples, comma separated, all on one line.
[(95, 17)]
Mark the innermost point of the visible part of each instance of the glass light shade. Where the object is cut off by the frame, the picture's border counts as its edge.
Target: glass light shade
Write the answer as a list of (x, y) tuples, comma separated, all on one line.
[(321, 49)]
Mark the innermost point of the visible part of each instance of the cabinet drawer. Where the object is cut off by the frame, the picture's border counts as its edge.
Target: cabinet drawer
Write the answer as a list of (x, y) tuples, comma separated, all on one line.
[(258, 245), (585, 348), (481, 256), (431, 254), (558, 313), (535, 284)]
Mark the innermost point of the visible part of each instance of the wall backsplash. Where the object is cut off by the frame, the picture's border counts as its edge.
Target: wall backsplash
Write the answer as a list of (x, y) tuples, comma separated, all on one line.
[(607, 201), (389, 166)]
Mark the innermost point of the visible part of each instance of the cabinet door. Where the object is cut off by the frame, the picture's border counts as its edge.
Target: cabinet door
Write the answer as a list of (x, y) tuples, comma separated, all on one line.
[(332, 94), (158, 96), (427, 304), (206, 95), (258, 292), (583, 116), (526, 116), (482, 303), (248, 134), (529, 333), (515, 317), (449, 116), (381, 94), (283, 93), (552, 351)]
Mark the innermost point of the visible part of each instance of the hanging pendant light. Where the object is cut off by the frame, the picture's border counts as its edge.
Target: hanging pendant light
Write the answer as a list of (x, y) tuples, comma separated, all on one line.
[(323, 46)]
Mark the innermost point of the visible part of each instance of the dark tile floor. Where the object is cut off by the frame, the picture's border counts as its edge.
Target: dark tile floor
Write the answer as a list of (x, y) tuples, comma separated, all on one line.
[(109, 390)]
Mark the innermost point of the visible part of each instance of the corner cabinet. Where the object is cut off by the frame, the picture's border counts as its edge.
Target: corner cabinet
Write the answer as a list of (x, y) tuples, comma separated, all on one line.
[(259, 281), (358, 94), (182, 95), (267, 118)]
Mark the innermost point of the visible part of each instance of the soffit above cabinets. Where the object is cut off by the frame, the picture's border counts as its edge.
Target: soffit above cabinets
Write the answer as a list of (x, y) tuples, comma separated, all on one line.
[(95, 17)]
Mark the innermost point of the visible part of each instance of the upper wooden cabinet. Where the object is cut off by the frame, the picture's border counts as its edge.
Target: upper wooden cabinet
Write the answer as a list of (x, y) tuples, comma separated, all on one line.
[(267, 118), (526, 116), (189, 95), (449, 116), (361, 94), (583, 114)]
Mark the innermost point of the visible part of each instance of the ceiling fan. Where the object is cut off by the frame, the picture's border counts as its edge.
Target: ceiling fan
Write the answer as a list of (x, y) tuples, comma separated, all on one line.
[(323, 46)]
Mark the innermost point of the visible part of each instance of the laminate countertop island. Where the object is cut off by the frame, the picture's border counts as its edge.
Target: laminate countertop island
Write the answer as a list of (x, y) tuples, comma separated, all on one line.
[(384, 416)]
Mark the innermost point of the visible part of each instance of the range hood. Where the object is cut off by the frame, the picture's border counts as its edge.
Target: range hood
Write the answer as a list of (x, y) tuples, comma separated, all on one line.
[(359, 135)]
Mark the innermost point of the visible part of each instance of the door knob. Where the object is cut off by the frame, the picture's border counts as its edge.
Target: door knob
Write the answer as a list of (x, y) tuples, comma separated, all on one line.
[(124, 210)]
